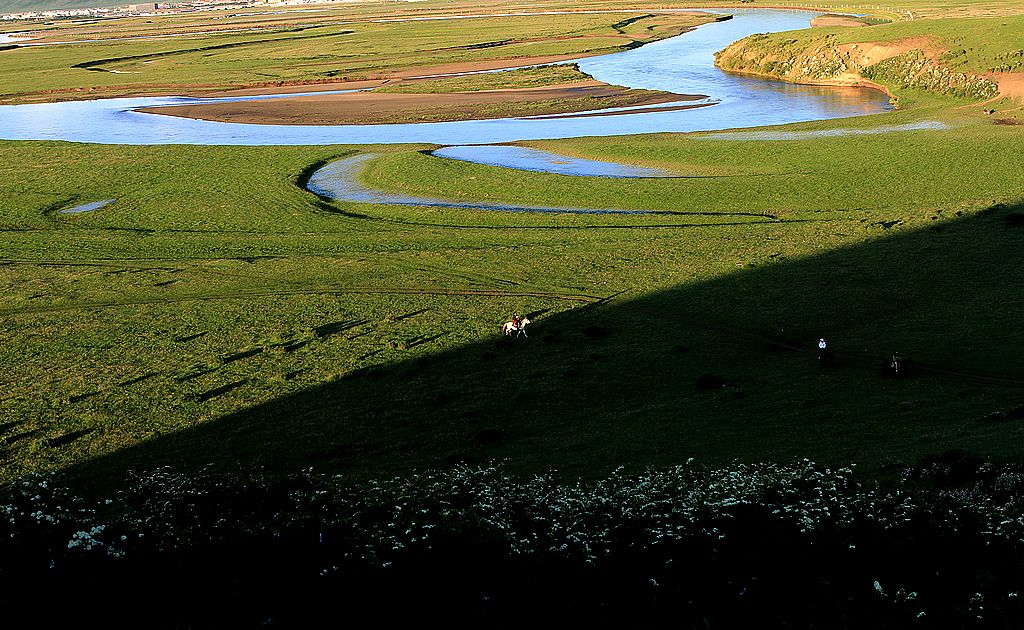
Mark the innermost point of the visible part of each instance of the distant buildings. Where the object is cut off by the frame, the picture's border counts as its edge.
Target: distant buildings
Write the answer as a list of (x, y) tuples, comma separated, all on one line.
[(162, 8)]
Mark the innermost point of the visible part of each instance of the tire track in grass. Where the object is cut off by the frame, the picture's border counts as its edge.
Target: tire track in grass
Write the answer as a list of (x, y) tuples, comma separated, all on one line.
[(100, 304), (95, 64)]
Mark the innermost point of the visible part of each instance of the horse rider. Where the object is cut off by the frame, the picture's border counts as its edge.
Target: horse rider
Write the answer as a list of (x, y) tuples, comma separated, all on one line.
[(516, 321)]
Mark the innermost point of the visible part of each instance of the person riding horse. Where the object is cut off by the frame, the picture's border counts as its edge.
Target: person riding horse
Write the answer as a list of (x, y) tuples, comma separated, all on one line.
[(517, 325)]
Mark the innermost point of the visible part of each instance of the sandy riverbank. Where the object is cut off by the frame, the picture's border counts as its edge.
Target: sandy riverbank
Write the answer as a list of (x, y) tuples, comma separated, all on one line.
[(368, 108)]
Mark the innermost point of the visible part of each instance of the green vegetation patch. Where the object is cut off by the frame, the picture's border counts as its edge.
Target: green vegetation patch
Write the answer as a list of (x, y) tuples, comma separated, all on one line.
[(507, 80)]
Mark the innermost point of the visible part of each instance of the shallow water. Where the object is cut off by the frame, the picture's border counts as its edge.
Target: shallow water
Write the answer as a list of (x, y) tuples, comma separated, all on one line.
[(527, 159), (339, 181), (88, 207), (925, 125), (683, 64), (13, 38)]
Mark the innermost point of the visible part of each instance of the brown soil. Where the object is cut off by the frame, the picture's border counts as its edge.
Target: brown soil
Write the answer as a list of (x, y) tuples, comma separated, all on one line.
[(1010, 84), (834, 20), (868, 53), (367, 108)]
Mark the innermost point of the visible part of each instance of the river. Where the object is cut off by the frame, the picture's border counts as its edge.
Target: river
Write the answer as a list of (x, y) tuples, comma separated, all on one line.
[(682, 64)]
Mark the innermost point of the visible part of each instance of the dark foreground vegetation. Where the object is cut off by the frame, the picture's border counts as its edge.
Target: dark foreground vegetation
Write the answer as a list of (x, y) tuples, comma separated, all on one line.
[(779, 545)]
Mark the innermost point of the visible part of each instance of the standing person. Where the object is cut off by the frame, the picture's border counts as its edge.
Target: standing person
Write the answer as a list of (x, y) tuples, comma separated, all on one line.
[(824, 354)]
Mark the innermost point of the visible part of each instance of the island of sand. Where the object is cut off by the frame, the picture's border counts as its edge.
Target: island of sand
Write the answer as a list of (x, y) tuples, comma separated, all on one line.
[(556, 90)]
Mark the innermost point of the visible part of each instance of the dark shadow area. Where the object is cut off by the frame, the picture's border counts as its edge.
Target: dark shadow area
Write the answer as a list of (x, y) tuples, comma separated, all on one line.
[(68, 438), (191, 337), (722, 370), (219, 391), (138, 379), (238, 356)]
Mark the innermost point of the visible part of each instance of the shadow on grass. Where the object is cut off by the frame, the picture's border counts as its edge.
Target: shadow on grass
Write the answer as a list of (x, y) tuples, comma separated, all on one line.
[(722, 370)]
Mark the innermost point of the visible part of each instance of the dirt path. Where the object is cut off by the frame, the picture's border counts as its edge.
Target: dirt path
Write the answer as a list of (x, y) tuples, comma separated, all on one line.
[(1010, 84)]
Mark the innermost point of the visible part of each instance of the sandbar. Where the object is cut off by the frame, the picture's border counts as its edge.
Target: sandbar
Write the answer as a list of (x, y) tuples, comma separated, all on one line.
[(368, 108)]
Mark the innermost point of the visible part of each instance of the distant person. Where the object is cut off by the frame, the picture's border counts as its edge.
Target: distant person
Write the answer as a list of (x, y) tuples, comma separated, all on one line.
[(516, 320), (824, 354)]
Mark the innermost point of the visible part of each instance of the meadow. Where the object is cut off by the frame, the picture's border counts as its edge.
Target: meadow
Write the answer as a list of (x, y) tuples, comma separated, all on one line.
[(231, 402), (336, 46), (216, 313)]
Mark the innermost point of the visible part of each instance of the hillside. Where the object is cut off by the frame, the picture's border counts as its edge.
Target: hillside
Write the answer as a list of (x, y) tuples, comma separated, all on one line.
[(966, 59)]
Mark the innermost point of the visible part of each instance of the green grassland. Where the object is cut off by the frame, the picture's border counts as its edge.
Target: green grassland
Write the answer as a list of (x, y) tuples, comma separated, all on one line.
[(218, 314), (511, 79), (312, 53)]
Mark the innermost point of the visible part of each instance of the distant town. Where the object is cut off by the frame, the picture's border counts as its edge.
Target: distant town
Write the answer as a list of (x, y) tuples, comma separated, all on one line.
[(149, 8)]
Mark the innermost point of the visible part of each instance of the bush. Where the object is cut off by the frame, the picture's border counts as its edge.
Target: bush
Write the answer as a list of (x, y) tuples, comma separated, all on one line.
[(786, 545)]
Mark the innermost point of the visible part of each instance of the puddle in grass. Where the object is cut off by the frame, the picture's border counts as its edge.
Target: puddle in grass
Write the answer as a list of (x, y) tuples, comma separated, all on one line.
[(88, 207)]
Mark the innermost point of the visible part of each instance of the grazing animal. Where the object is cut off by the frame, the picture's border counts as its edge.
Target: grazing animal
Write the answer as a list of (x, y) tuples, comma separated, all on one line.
[(510, 327)]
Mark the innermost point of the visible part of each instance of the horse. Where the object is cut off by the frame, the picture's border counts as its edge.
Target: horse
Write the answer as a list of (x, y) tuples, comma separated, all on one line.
[(509, 327)]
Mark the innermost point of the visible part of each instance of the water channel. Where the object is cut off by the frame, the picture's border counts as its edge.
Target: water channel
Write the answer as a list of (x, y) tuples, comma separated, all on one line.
[(683, 64)]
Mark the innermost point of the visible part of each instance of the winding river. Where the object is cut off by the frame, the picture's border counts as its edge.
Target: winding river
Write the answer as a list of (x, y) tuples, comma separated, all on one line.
[(683, 64)]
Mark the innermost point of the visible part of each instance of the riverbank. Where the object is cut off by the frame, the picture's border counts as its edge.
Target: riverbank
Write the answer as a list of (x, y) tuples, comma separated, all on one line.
[(447, 93), (374, 108), (966, 60), (647, 70)]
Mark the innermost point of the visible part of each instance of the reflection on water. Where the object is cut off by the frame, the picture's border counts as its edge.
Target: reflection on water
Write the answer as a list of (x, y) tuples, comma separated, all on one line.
[(527, 159), (339, 181), (12, 38), (683, 64), (88, 207)]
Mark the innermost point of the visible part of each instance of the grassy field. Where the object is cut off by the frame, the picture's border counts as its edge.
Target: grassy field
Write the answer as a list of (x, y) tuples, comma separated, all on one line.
[(217, 313), (236, 319), (511, 79), (329, 49)]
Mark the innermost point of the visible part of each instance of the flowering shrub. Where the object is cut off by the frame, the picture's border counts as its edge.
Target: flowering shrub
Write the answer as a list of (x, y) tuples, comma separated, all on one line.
[(797, 543)]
